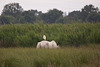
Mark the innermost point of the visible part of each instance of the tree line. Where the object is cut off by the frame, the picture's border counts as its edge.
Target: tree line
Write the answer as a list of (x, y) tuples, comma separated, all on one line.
[(13, 13)]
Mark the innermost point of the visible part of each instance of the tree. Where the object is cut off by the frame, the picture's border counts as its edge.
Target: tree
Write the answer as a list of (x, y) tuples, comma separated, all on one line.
[(87, 10), (60, 20), (75, 15), (30, 15), (13, 9), (93, 17), (7, 19), (90, 8), (52, 15)]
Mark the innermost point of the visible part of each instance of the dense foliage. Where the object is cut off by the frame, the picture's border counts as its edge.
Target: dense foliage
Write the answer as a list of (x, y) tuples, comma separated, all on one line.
[(27, 35), (12, 9), (14, 13)]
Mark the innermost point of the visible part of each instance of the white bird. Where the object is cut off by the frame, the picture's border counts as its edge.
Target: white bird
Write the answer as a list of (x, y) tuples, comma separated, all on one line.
[(44, 37)]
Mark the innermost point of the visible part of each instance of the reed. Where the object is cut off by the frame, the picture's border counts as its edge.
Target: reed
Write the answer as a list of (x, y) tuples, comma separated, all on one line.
[(27, 35)]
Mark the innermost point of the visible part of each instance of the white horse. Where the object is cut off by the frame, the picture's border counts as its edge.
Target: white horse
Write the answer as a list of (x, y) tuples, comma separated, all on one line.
[(47, 44)]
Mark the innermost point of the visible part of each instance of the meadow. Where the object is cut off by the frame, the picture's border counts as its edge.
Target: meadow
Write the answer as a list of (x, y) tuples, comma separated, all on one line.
[(27, 35), (62, 57), (79, 45)]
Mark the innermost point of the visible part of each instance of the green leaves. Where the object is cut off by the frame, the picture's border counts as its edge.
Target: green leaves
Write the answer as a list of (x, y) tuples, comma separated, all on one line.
[(12, 9), (52, 16)]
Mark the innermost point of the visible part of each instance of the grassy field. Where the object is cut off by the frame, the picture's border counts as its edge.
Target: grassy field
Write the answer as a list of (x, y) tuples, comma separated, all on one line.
[(62, 57), (15, 37)]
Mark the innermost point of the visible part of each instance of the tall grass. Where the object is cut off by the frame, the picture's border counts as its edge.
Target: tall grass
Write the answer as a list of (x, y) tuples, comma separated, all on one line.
[(66, 57), (27, 35)]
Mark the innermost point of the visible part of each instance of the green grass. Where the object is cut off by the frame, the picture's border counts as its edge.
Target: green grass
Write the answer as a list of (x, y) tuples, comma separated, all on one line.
[(62, 57), (27, 35)]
